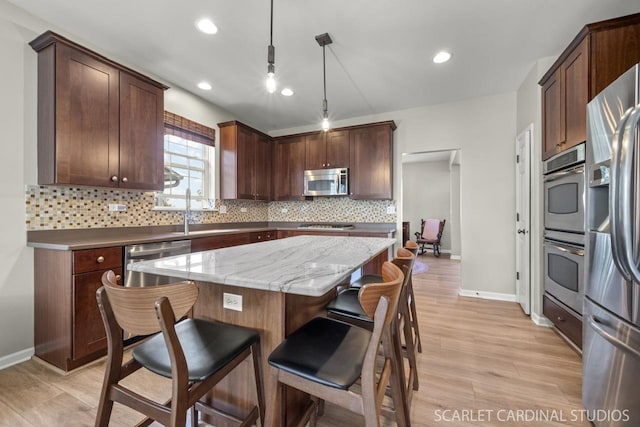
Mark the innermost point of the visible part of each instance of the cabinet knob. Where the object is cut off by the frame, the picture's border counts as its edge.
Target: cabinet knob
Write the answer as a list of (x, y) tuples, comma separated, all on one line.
[(114, 178), (118, 277), (259, 237), (328, 164), (125, 179), (100, 259), (323, 165), (560, 319)]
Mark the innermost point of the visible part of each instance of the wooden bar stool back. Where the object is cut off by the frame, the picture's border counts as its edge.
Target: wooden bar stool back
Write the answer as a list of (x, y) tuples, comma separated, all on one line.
[(412, 246), (346, 307), (325, 357), (195, 353)]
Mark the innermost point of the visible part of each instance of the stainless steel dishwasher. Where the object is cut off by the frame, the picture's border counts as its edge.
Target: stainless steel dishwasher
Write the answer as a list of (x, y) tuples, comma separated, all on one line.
[(150, 251)]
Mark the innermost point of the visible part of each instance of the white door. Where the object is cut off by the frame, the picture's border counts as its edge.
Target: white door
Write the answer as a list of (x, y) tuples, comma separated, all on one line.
[(523, 201)]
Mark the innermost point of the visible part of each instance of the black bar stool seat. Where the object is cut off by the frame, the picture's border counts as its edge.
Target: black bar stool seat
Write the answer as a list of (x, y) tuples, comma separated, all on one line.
[(325, 351), (347, 304), (208, 346)]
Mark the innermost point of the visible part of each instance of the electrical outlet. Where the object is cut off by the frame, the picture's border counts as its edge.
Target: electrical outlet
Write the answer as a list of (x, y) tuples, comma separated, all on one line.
[(243, 209), (222, 209), (391, 209), (116, 207), (284, 210), (232, 301)]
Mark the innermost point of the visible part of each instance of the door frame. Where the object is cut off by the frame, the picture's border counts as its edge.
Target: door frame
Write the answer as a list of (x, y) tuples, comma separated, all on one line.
[(523, 219)]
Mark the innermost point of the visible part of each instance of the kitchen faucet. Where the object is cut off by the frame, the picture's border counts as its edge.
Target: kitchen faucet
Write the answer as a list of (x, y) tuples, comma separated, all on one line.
[(187, 210)]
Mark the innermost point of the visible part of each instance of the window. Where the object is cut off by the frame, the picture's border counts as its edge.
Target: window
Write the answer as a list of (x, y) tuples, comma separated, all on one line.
[(188, 163)]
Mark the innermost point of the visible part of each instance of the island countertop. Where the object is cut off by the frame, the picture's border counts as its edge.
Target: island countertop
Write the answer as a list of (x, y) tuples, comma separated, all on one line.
[(302, 265)]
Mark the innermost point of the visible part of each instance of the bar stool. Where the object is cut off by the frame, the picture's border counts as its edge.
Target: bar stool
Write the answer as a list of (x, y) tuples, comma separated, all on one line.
[(325, 357), (195, 353), (412, 247), (347, 308)]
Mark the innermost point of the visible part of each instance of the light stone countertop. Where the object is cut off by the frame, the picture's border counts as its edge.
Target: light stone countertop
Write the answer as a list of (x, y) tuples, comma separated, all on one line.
[(303, 265)]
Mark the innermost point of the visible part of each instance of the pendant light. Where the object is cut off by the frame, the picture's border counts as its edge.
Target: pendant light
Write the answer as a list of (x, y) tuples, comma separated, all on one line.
[(271, 55), (323, 40)]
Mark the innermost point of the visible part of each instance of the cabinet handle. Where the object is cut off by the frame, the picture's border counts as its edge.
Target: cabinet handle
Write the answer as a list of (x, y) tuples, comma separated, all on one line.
[(328, 164), (125, 179), (259, 237), (114, 178), (560, 319), (100, 259), (323, 165)]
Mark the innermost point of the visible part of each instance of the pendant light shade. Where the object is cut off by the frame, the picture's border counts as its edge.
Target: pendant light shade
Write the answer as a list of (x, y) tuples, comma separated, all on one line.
[(271, 57), (323, 40)]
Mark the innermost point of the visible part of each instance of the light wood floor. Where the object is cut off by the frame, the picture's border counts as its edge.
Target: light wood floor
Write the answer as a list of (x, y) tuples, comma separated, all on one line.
[(484, 359)]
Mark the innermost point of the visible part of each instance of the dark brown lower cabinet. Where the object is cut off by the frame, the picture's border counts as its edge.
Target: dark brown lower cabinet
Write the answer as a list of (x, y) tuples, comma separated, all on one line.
[(565, 321), (68, 328), (217, 242), (88, 330)]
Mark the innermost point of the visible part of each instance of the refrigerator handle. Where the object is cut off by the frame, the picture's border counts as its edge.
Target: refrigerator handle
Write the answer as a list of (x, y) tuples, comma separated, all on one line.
[(619, 203), (598, 326)]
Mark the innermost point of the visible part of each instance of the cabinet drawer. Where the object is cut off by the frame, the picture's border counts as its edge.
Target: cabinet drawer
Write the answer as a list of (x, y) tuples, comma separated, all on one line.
[(262, 236), (97, 259), (563, 319), (217, 242)]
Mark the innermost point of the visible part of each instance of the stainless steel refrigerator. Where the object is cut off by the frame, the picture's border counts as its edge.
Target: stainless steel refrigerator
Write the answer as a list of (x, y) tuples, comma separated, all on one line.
[(611, 316)]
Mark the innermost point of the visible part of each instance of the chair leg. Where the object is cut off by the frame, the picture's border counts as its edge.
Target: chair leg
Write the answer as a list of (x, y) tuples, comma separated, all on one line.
[(394, 352), (257, 371), (414, 315), (410, 349)]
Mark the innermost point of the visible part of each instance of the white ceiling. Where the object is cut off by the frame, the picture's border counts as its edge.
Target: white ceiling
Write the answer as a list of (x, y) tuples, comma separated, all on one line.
[(380, 59)]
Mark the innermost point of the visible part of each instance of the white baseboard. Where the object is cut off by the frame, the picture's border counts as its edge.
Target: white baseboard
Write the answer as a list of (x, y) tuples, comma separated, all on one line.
[(456, 257), (541, 320), (15, 358), (487, 295)]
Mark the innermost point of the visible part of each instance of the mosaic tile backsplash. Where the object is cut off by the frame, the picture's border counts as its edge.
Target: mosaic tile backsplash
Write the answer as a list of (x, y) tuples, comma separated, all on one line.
[(57, 207)]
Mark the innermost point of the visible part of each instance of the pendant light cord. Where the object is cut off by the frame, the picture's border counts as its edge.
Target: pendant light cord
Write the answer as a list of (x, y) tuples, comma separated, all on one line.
[(324, 78), (271, 29)]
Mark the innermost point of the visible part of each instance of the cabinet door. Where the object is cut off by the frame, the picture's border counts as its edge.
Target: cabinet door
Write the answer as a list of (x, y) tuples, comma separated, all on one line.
[(575, 71), (262, 167), (88, 330), (552, 116), (371, 155), (86, 134), (246, 163), (338, 149), (288, 168), (141, 134), (316, 152)]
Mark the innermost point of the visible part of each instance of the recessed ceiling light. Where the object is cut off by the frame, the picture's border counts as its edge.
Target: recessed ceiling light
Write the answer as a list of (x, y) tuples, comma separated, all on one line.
[(442, 56), (206, 26), (287, 92), (204, 86)]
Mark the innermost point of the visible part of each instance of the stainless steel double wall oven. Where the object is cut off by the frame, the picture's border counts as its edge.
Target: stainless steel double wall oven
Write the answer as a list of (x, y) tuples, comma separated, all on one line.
[(564, 222)]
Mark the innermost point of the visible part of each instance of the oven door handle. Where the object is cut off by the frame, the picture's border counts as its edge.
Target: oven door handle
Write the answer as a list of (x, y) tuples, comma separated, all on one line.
[(620, 207), (599, 327), (562, 174), (579, 252)]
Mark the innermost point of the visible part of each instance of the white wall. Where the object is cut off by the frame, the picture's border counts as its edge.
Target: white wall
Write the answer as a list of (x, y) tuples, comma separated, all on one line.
[(455, 212), (18, 103), (484, 129), (529, 111), (426, 193)]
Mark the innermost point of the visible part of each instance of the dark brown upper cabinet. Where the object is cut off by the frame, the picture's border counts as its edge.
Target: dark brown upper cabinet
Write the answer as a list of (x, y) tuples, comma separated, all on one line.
[(245, 162), (598, 55), (371, 161), (327, 149), (99, 123), (288, 168)]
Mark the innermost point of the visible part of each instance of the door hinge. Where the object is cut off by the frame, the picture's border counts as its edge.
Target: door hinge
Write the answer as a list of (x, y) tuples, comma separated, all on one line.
[(517, 158), (517, 216), (517, 275)]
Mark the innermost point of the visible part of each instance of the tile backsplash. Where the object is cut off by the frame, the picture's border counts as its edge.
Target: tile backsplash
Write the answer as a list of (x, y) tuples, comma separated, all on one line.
[(58, 207)]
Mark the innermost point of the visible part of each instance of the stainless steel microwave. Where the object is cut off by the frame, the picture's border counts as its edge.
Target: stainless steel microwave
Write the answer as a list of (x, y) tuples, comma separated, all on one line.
[(326, 182)]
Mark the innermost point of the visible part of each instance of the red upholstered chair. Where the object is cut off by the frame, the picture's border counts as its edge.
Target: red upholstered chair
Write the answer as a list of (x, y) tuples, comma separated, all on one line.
[(430, 234)]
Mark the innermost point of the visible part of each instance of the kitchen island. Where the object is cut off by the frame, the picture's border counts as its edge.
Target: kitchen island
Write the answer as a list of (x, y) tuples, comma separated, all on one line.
[(274, 287)]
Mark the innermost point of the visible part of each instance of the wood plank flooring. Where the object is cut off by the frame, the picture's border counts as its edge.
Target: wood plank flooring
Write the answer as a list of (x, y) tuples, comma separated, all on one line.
[(482, 362)]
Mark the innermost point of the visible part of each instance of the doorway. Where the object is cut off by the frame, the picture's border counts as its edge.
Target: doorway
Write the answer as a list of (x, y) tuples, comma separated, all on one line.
[(431, 189), (523, 219)]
